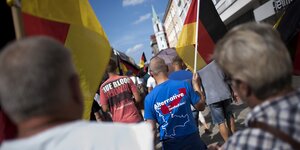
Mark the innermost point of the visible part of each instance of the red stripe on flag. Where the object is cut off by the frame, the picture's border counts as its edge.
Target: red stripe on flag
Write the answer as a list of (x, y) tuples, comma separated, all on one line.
[(143, 58), (38, 26), (192, 13), (205, 43), (130, 67)]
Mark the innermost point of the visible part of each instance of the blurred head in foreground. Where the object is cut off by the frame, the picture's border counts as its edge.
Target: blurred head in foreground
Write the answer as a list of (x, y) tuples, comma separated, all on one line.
[(38, 81), (256, 62)]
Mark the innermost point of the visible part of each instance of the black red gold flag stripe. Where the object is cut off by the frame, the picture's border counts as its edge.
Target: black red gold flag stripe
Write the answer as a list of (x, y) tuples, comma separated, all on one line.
[(210, 29), (143, 60), (73, 23)]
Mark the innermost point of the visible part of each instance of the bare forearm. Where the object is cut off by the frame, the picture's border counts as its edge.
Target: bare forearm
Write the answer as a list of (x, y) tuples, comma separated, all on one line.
[(137, 97), (197, 88), (98, 116), (153, 126), (201, 104)]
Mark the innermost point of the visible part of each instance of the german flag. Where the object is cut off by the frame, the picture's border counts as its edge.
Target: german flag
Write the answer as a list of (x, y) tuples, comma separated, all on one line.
[(73, 23), (124, 63), (143, 60), (210, 30)]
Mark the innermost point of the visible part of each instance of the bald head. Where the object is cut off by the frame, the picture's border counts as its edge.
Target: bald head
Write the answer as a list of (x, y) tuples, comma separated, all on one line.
[(34, 77), (158, 65)]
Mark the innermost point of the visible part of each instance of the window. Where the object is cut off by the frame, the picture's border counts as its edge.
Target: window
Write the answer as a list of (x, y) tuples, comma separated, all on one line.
[(172, 13), (176, 28), (179, 3), (215, 1)]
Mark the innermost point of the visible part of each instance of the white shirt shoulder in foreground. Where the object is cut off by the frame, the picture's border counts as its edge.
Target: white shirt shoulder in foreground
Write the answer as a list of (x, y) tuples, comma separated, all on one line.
[(82, 135)]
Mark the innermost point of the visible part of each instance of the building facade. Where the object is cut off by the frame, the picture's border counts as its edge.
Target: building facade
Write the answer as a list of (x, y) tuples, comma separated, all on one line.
[(153, 45), (174, 17), (234, 12), (159, 32)]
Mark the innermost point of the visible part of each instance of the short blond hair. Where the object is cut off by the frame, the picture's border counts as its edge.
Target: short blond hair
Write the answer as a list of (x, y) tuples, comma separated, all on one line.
[(255, 54)]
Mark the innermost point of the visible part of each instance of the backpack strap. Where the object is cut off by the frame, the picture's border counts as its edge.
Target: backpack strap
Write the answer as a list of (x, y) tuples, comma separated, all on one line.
[(276, 133)]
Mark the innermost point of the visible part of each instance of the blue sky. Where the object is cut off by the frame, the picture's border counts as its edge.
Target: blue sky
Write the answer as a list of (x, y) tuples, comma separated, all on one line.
[(128, 24)]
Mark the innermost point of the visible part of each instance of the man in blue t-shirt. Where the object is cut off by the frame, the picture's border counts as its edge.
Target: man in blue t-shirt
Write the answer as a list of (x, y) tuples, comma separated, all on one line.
[(179, 72), (184, 75), (169, 106)]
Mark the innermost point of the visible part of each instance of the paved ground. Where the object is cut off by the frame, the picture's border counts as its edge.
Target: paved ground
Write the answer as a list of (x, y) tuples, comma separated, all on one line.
[(240, 111)]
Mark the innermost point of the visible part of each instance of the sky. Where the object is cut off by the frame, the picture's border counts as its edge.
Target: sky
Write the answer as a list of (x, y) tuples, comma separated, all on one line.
[(128, 24)]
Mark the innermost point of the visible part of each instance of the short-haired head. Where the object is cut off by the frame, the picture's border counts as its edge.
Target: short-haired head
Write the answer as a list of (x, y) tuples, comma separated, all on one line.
[(34, 77), (177, 60), (255, 54), (111, 67), (177, 63), (158, 65)]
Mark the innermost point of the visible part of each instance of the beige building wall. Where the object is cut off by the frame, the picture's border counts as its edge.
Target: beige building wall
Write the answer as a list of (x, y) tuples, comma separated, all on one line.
[(173, 20)]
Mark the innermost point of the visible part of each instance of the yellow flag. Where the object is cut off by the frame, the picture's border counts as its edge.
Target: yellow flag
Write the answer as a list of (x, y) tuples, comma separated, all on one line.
[(74, 23)]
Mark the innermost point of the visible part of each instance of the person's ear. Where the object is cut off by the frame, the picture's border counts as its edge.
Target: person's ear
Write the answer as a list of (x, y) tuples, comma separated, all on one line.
[(167, 68), (244, 89), (182, 65), (151, 74)]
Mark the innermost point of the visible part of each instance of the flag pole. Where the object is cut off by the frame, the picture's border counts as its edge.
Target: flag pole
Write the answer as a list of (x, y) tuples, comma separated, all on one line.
[(17, 19), (196, 38)]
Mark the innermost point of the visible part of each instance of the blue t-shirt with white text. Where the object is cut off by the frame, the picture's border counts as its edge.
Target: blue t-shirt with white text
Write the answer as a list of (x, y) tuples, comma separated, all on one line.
[(169, 104)]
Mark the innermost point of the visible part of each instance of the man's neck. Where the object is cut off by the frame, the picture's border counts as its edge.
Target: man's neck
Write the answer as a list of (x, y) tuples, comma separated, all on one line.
[(160, 78), (283, 92), (177, 68), (112, 74), (38, 124)]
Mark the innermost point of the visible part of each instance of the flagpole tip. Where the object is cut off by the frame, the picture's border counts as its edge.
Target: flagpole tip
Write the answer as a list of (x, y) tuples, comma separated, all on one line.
[(12, 3)]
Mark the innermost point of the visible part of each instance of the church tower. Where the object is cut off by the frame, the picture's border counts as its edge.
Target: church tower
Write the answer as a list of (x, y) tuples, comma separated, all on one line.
[(159, 32)]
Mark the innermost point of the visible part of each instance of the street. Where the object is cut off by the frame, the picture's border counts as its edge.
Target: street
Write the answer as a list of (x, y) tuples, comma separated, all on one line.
[(240, 111)]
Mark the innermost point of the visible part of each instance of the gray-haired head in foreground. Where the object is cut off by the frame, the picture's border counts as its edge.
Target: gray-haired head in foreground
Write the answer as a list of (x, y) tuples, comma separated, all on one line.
[(33, 77), (254, 53)]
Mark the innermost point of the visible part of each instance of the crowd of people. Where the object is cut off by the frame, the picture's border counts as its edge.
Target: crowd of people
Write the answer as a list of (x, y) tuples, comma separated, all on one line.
[(40, 93)]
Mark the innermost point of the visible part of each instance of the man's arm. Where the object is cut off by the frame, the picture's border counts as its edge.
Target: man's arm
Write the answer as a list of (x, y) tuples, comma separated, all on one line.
[(150, 89), (201, 104), (135, 92), (153, 125), (234, 95), (197, 88), (98, 117), (137, 96), (105, 108), (103, 100)]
